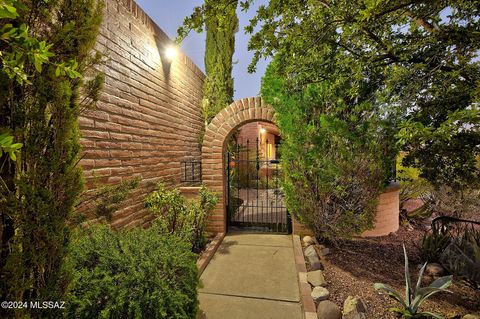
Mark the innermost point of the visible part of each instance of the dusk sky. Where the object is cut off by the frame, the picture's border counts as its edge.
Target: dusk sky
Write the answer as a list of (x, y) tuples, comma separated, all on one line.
[(169, 16)]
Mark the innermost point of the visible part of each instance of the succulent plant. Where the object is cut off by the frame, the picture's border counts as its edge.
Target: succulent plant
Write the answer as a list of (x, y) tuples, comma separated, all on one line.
[(415, 295)]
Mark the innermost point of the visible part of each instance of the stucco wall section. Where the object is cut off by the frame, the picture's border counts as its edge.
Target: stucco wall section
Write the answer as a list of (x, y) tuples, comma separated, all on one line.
[(388, 212)]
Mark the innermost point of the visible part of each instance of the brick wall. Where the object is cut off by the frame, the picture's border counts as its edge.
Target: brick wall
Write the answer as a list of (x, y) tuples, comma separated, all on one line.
[(248, 132), (149, 115)]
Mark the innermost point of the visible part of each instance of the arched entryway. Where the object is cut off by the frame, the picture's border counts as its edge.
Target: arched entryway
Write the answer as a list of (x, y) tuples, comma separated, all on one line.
[(217, 134)]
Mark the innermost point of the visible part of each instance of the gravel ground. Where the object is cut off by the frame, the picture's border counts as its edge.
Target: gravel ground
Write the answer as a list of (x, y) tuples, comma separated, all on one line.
[(354, 266)]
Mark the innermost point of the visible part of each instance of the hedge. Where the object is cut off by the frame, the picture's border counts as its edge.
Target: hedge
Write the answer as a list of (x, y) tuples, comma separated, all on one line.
[(136, 273)]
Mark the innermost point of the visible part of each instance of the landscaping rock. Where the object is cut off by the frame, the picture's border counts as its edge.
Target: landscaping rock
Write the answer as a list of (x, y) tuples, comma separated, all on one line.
[(325, 251), (319, 294), (470, 316), (328, 310), (316, 278), (310, 251), (354, 308), (308, 240), (314, 263), (312, 258), (434, 269)]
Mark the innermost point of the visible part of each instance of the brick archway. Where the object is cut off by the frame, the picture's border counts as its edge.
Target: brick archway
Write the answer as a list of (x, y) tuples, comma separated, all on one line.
[(217, 133)]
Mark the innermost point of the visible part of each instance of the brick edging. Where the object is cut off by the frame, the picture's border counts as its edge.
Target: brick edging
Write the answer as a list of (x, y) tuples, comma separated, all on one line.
[(208, 253), (308, 306)]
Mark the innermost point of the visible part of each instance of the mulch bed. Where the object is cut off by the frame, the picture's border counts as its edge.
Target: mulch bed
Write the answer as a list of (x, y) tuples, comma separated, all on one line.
[(354, 266)]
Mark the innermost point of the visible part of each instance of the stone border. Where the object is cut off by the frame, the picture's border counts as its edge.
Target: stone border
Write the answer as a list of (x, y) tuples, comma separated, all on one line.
[(208, 253), (309, 309)]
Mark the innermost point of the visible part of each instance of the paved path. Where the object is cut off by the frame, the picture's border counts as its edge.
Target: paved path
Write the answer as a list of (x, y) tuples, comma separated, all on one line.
[(251, 276)]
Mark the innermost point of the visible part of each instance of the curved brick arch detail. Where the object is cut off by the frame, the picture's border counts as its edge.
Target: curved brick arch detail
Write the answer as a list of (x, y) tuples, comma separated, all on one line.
[(216, 135)]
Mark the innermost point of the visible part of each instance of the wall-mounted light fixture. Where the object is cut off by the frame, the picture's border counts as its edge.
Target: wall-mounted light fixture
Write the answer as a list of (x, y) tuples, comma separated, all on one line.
[(263, 130), (171, 53)]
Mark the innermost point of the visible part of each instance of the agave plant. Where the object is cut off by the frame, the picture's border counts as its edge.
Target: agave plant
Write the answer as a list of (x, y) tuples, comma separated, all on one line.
[(415, 296)]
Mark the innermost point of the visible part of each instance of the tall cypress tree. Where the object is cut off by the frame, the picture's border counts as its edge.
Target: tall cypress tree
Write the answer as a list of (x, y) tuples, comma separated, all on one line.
[(219, 19), (219, 49), (42, 186)]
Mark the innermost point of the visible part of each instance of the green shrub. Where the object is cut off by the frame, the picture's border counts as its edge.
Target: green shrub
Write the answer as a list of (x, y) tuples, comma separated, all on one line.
[(415, 296), (137, 273), (170, 209), (455, 243), (50, 76), (435, 241), (200, 211), (8, 146), (462, 257), (185, 219), (412, 186), (337, 154), (433, 244)]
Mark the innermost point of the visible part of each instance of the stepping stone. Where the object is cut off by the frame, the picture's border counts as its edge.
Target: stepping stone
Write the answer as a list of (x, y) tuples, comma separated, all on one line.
[(324, 250), (315, 264), (310, 251), (434, 269), (312, 258)]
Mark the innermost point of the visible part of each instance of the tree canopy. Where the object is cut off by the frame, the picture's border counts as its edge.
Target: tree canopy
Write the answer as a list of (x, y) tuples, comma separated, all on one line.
[(420, 58)]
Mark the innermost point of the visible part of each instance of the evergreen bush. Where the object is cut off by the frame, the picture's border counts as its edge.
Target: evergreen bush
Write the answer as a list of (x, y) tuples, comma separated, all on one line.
[(336, 155), (138, 273), (39, 104)]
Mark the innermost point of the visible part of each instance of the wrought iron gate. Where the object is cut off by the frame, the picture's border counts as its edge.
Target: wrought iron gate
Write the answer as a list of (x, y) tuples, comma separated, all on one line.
[(255, 201)]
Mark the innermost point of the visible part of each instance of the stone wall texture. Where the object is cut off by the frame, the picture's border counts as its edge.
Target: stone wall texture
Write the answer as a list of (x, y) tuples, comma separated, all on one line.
[(149, 116)]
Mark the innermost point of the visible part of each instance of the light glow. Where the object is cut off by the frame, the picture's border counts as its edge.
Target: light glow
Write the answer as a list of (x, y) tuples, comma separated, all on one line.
[(171, 53), (263, 130)]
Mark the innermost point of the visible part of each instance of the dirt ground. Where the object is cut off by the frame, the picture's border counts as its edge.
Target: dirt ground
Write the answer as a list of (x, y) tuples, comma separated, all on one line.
[(354, 266)]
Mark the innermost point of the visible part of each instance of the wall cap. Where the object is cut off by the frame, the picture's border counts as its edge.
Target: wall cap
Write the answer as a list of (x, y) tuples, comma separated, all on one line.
[(392, 186)]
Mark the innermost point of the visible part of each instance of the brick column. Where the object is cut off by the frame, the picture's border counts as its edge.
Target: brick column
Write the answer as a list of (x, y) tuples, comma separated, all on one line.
[(388, 212)]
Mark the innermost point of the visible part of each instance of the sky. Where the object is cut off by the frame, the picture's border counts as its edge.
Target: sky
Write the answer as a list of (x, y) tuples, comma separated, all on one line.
[(169, 15)]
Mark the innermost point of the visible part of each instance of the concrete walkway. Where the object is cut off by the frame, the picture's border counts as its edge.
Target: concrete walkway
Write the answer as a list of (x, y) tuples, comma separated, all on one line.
[(251, 276)]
